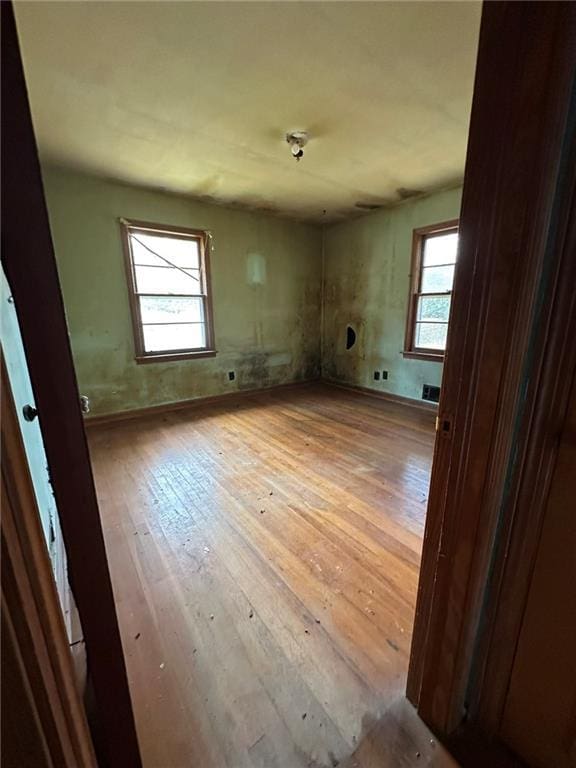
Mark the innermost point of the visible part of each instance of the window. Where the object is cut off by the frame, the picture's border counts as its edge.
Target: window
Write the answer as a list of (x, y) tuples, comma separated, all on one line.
[(169, 288), (433, 261)]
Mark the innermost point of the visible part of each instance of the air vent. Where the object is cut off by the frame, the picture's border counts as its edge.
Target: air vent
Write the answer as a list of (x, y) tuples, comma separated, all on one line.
[(431, 393)]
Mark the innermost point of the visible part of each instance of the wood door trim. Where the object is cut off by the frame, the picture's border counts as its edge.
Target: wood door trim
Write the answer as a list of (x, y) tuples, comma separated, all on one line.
[(30, 267), (549, 386), (511, 175), (32, 610)]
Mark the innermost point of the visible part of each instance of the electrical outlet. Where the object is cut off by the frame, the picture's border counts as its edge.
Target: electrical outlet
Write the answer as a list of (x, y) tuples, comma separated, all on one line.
[(384, 375), (231, 375), (376, 375)]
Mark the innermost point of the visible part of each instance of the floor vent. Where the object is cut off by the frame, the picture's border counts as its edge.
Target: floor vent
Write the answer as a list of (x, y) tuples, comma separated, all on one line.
[(431, 393)]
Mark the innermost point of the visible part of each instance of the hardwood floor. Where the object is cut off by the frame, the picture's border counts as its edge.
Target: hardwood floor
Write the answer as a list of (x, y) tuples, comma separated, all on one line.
[(264, 555)]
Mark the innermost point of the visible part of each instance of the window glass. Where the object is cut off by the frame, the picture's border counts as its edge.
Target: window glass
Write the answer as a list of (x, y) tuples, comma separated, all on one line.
[(152, 250), (169, 294), (431, 335), (433, 264), (434, 308), (159, 338), (440, 249), (167, 280), (437, 279), (169, 309)]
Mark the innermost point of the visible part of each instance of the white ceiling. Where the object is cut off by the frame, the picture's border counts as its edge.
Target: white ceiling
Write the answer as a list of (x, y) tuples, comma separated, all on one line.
[(196, 97)]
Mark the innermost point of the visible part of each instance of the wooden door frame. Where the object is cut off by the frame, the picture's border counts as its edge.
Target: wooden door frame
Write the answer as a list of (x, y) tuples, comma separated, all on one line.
[(548, 392), (511, 252), (512, 173), (32, 624), (30, 267)]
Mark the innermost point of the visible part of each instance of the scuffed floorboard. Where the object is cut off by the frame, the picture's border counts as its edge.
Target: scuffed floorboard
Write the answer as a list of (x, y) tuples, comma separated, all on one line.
[(265, 556)]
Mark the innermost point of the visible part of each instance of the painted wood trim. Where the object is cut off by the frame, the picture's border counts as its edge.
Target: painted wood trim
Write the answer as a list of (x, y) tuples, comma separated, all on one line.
[(421, 405), (30, 267), (414, 355), (31, 607), (525, 67), (164, 230), (151, 410), (170, 358)]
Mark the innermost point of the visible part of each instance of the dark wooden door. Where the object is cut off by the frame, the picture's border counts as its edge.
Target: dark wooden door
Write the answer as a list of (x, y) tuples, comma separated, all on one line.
[(30, 267)]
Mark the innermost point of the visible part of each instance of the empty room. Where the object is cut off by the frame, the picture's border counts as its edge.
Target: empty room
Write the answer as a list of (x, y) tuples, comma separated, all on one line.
[(254, 210)]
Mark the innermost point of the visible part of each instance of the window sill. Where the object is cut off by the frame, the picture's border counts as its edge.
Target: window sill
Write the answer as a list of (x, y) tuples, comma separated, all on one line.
[(431, 356), (175, 356)]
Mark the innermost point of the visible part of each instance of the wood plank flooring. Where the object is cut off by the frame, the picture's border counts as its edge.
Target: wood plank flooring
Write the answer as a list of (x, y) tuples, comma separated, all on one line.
[(264, 555)]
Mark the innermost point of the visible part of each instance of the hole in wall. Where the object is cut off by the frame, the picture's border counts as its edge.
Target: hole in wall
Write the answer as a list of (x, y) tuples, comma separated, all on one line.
[(350, 337)]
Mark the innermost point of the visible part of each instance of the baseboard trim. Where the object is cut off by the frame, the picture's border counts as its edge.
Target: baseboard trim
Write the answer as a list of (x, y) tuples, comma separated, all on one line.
[(150, 410), (421, 405)]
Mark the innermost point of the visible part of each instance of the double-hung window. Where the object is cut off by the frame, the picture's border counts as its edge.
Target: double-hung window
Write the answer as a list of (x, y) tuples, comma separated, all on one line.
[(169, 290), (433, 262)]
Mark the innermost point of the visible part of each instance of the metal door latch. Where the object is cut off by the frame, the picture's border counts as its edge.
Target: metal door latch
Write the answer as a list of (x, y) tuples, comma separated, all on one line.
[(444, 425)]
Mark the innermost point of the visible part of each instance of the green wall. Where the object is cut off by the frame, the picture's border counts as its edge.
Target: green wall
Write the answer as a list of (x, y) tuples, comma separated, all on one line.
[(267, 325), (267, 286), (366, 273)]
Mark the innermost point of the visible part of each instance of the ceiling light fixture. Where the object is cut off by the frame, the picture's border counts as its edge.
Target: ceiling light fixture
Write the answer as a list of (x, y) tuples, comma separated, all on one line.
[(297, 141)]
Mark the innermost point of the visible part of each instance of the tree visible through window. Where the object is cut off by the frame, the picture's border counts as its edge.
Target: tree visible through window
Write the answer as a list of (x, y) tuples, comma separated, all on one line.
[(433, 263), (168, 281)]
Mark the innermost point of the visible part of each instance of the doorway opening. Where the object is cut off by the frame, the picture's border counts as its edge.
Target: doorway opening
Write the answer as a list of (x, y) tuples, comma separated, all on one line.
[(262, 484)]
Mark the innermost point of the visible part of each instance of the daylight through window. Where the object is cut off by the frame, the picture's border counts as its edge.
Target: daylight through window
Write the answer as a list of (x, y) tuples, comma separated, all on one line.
[(169, 290), (433, 264)]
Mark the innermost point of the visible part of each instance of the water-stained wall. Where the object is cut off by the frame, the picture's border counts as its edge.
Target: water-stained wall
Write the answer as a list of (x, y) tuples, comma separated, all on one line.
[(366, 274), (266, 284), (267, 288)]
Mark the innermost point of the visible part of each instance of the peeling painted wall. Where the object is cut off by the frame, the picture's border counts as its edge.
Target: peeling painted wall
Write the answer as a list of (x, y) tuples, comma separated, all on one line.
[(266, 283), (366, 284)]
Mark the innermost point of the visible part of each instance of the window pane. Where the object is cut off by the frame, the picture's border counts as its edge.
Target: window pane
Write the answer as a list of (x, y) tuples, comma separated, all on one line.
[(181, 253), (440, 249), (437, 279), (431, 335), (434, 308), (159, 338), (166, 309), (153, 280)]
